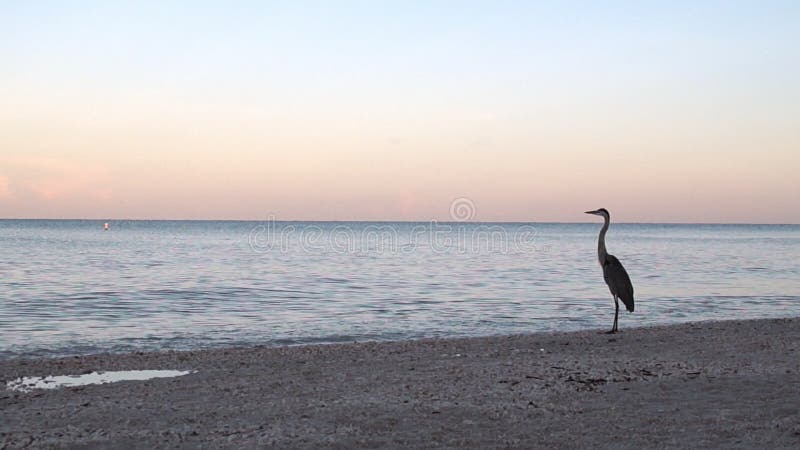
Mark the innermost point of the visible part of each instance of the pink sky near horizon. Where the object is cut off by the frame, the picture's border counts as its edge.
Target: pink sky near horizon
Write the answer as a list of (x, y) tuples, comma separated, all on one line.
[(147, 163), (660, 116)]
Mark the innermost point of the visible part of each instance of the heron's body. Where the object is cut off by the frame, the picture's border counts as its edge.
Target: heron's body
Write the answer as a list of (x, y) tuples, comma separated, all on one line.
[(617, 279)]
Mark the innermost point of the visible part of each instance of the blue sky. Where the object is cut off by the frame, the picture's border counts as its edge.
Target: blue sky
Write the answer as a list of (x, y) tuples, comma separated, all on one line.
[(330, 90)]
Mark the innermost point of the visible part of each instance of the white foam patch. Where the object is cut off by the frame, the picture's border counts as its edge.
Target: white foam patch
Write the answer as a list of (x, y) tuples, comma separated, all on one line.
[(27, 384)]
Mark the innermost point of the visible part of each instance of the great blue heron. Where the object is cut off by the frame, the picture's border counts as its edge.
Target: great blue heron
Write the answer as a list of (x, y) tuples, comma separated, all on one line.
[(617, 279)]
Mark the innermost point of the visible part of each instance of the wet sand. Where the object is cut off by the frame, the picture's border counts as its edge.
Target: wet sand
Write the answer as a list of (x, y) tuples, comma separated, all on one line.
[(714, 384)]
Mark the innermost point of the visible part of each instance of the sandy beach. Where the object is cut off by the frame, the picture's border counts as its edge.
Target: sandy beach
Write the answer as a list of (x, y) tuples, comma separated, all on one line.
[(732, 384)]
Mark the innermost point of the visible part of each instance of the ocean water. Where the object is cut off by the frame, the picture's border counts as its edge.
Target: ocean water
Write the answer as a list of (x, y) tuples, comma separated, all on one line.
[(68, 287)]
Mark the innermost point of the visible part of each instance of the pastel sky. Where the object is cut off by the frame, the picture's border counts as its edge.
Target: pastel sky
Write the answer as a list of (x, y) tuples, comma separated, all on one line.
[(680, 111)]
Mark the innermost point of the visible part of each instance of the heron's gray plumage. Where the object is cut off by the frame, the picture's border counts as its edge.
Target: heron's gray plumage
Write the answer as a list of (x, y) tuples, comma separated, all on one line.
[(617, 279)]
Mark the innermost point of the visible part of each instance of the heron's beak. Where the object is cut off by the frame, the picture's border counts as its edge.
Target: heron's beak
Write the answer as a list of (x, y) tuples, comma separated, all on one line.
[(591, 212)]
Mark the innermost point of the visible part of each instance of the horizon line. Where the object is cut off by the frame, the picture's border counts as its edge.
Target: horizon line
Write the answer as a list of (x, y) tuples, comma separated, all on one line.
[(477, 222)]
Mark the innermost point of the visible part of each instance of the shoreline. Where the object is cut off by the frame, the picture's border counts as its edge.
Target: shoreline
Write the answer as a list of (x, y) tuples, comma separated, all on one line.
[(64, 355), (697, 384)]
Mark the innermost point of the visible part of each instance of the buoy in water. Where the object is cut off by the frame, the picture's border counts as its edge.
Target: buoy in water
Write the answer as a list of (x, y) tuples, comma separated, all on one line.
[(105, 226)]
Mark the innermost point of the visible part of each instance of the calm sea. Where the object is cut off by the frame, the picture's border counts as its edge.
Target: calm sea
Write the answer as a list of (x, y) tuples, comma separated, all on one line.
[(68, 287)]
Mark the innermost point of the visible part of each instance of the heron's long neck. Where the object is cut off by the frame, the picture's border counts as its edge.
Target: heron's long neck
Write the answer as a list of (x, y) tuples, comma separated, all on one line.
[(601, 241)]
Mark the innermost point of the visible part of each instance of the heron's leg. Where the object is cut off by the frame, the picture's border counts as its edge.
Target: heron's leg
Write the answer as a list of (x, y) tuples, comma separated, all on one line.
[(616, 316)]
